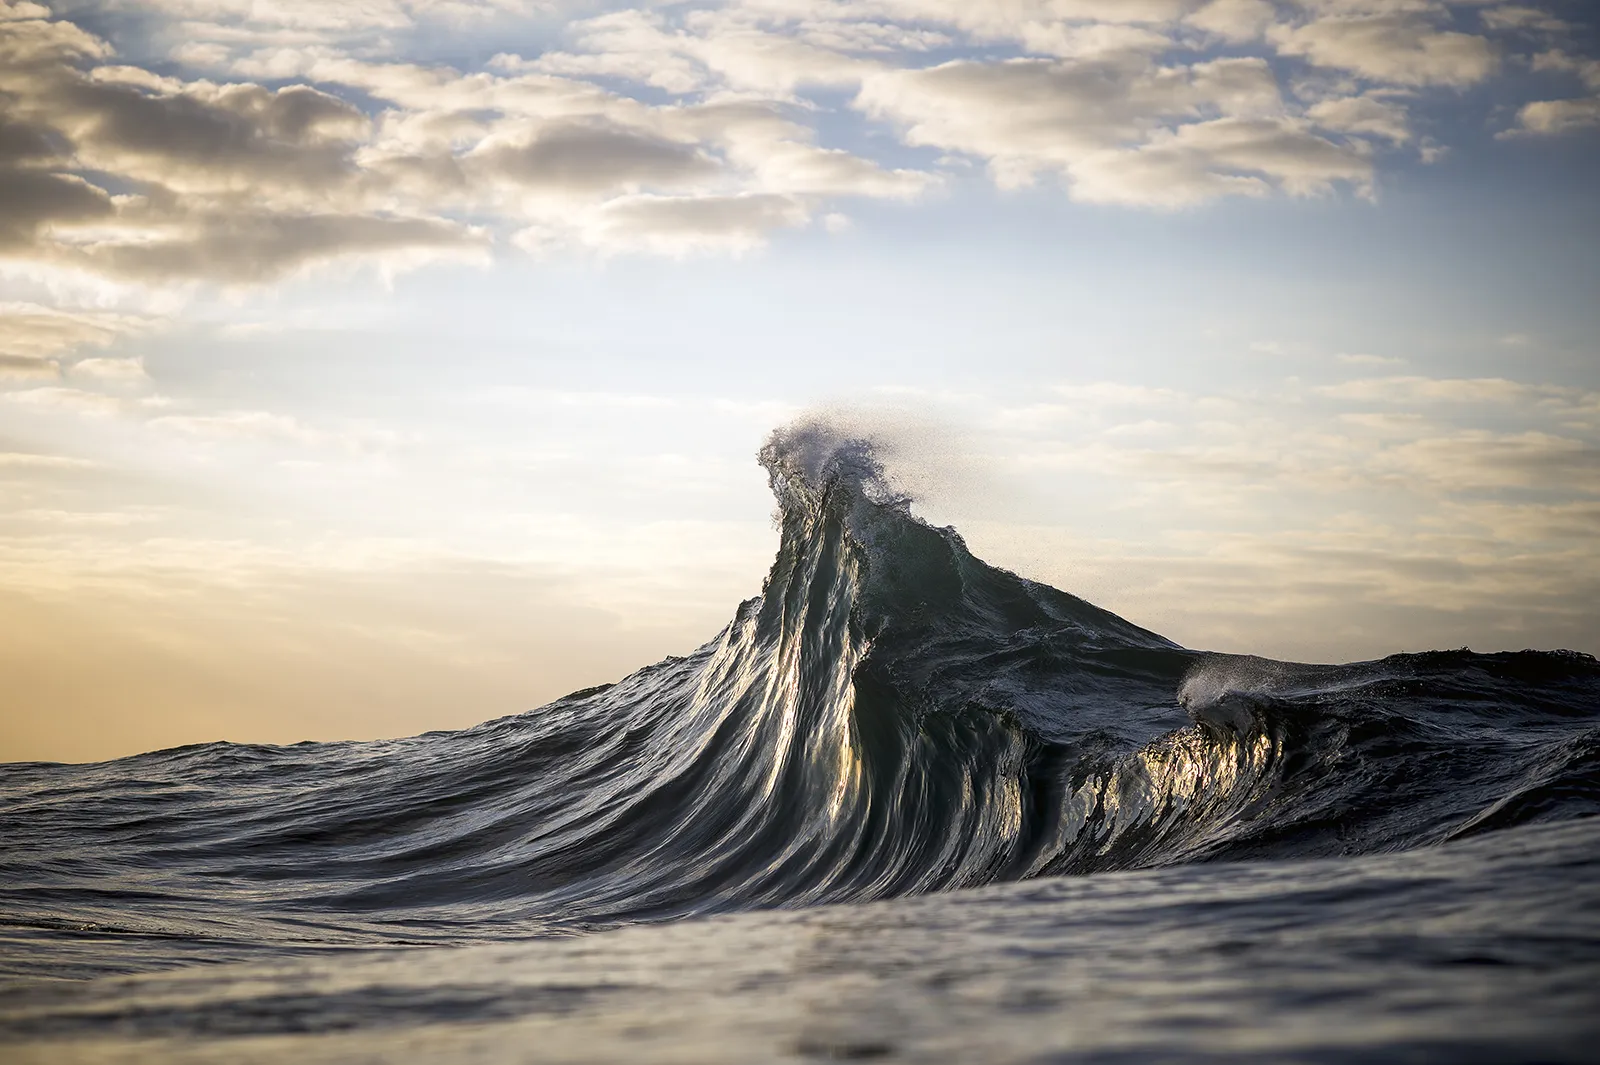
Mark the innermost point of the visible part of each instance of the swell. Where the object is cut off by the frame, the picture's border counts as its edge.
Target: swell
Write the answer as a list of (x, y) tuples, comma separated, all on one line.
[(890, 716)]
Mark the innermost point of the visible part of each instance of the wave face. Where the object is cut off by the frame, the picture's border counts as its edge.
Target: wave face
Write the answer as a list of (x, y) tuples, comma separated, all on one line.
[(890, 717)]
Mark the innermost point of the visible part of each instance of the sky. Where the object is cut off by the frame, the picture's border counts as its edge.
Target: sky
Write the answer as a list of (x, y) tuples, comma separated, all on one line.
[(392, 365)]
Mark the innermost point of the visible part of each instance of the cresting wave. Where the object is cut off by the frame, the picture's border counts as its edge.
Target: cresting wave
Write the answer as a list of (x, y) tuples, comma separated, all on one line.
[(891, 716)]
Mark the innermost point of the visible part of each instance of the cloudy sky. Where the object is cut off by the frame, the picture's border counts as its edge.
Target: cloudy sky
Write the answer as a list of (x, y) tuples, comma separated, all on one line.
[(384, 365)]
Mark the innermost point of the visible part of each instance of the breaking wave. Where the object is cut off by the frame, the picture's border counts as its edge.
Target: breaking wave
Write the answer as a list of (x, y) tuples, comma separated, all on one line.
[(891, 716)]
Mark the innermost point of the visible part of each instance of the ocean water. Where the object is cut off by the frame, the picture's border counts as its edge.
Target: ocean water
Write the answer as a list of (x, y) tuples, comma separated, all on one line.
[(906, 806)]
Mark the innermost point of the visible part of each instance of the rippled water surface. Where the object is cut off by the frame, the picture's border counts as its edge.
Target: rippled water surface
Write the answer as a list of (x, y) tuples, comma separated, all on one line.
[(1481, 951)]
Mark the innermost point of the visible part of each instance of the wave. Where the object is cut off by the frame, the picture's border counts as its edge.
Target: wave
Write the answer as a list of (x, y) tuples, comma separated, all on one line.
[(891, 716)]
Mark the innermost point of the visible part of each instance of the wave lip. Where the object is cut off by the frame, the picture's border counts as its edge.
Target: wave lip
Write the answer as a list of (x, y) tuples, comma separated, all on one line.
[(890, 716)]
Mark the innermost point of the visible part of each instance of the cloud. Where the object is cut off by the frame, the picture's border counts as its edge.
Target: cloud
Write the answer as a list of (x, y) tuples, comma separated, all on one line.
[(1558, 61), (114, 371), (283, 136), (291, 14), (199, 137), (1368, 114), (23, 460), (72, 400), (1362, 359), (37, 201), (1481, 459), (1234, 20), (1283, 517), (1521, 17), (1228, 156), (231, 182), (31, 40), (778, 154), (732, 48), (1007, 19), (18, 368), (1559, 116), (1117, 394), (590, 158), (1554, 117), (366, 21), (1401, 48), (22, 9), (1124, 131), (679, 225), (33, 337), (1428, 437), (247, 247), (1530, 523), (239, 425), (122, 172), (1412, 389), (1104, 124)]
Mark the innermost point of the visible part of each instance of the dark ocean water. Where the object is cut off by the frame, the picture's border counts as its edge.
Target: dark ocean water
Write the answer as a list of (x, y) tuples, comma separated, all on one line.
[(906, 806)]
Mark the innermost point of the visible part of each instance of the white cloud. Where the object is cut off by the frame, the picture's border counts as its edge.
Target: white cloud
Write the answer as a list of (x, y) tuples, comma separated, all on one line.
[(1398, 49), (238, 183), (1095, 40), (71, 518), (1368, 114), (684, 224), (1415, 434), (239, 425), (1089, 119), (22, 9), (111, 370), (1412, 389), (1362, 359), (1228, 156), (1234, 20), (1002, 19), (34, 337), (1553, 117), (1366, 517), (1481, 459), (1557, 61), (1560, 116), (315, 139), (73, 400), (1522, 17), (23, 460), (347, 20), (227, 181)]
